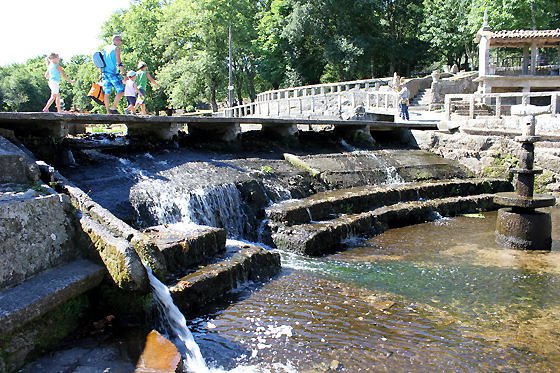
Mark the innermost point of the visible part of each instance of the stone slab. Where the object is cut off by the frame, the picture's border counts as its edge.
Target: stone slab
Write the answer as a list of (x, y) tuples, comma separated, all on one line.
[(41, 294), (318, 237), (185, 245), (326, 205), (15, 165), (249, 263), (36, 234)]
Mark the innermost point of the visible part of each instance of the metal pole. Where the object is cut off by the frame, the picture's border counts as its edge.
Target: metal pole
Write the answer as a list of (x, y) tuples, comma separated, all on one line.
[(230, 87)]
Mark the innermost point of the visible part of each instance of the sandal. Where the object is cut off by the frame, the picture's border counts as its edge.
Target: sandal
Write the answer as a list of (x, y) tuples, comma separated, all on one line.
[(45, 110)]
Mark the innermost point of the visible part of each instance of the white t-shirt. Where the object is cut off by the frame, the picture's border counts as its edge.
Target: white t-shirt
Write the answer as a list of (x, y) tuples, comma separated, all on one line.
[(129, 88)]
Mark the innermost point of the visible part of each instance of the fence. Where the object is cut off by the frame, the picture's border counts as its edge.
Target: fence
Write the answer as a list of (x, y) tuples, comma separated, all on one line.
[(497, 104), (321, 100)]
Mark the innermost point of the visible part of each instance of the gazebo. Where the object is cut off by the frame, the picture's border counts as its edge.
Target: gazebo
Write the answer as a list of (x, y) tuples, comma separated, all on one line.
[(523, 74)]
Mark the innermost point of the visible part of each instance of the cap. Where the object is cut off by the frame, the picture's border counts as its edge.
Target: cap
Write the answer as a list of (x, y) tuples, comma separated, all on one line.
[(131, 73)]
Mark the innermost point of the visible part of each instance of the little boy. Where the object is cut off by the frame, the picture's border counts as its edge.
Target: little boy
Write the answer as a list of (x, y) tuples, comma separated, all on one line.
[(130, 90)]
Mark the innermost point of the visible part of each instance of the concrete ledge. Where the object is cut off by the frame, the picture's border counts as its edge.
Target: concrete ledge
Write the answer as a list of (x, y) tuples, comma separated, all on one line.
[(314, 238), (37, 296), (187, 247), (322, 206), (250, 263)]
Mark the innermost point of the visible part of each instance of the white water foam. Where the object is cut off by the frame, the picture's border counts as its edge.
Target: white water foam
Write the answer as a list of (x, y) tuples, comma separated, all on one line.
[(183, 338)]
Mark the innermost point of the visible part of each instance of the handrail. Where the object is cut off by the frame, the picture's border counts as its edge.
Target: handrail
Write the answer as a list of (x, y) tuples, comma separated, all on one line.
[(498, 99), (318, 106), (318, 89)]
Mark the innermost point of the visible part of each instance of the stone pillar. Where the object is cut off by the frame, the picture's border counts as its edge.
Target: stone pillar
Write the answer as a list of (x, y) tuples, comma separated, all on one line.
[(533, 58), (483, 56), (525, 69)]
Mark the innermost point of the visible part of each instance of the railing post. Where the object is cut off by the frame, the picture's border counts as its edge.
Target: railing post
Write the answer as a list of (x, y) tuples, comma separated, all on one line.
[(553, 104), (447, 108), (524, 99), (471, 107), (498, 106), (312, 104), (387, 102), (368, 102), (339, 105), (300, 106)]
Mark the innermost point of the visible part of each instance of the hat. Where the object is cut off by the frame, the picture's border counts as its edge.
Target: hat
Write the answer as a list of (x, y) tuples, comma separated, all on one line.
[(131, 73), (141, 64)]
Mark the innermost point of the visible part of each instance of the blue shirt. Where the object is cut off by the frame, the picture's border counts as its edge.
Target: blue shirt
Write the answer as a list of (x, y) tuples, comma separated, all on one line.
[(54, 74), (110, 59)]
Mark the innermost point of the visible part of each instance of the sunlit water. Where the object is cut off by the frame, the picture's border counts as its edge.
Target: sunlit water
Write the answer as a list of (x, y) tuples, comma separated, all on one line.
[(435, 297)]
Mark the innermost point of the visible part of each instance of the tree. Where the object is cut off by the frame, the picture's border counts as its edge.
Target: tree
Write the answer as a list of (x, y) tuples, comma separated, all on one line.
[(445, 28), (195, 40)]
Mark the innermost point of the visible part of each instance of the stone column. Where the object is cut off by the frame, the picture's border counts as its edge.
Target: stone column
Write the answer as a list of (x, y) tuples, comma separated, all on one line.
[(533, 58), (483, 56), (525, 69)]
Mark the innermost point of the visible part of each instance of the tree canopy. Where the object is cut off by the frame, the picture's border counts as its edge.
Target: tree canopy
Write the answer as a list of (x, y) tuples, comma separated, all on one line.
[(276, 43)]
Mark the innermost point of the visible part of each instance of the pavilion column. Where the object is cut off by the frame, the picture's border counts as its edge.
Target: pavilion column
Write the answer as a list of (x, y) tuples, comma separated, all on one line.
[(525, 70), (533, 58)]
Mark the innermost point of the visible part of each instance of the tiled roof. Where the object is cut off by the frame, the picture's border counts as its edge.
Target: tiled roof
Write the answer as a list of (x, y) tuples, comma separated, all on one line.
[(519, 38), (525, 34)]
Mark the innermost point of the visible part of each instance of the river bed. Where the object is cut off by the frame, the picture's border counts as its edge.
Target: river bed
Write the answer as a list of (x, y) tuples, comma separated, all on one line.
[(434, 297)]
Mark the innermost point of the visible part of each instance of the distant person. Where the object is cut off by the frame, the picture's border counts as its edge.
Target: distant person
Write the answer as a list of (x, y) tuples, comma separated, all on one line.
[(130, 90), (53, 73), (396, 80), (404, 95), (110, 73), (142, 82)]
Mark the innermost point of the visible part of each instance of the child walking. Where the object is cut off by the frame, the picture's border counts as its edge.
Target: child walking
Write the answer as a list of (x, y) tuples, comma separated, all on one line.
[(130, 90), (143, 77), (54, 71)]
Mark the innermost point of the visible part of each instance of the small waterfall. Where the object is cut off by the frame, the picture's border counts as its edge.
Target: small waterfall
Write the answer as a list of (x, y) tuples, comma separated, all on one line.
[(217, 206), (391, 174), (177, 329)]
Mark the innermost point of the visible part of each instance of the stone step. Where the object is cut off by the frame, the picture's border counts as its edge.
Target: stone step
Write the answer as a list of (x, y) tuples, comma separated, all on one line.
[(327, 205), (36, 235), (241, 263), (319, 237), (39, 295), (187, 245)]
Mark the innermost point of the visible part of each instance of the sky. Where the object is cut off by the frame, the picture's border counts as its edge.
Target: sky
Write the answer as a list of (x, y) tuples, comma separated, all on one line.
[(30, 28)]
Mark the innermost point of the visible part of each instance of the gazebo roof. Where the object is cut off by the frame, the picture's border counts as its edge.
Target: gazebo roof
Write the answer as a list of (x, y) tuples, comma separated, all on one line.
[(521, 38)]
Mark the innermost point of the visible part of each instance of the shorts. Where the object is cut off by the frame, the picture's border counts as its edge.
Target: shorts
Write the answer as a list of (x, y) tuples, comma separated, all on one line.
[(131, 100), (142, 96), (112, 80), (54, 86)]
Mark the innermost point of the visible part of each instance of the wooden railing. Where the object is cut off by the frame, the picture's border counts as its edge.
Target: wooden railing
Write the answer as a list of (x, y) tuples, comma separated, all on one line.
[(497, 103)]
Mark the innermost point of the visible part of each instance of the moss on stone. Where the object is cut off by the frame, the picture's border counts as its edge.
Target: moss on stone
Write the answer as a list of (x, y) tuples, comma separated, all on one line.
[(35, 338)]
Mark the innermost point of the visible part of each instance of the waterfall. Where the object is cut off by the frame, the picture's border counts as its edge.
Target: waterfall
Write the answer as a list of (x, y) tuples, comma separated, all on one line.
[(218, 206), (177, 329)]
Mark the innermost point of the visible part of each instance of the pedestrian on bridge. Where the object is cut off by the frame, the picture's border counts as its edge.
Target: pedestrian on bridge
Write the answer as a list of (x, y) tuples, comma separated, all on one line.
[(54, 71), (110, 73), (142, 82), (404, 95)]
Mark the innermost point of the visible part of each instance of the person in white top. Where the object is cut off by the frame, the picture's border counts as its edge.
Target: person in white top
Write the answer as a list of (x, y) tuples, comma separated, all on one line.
[(130, 90)]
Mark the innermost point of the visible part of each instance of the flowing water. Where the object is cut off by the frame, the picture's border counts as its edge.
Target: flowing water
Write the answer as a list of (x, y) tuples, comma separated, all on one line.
[(434, 297)]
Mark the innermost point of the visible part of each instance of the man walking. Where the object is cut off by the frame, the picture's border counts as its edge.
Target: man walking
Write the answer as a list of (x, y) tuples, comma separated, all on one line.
[(404, 97), (110, 73)]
